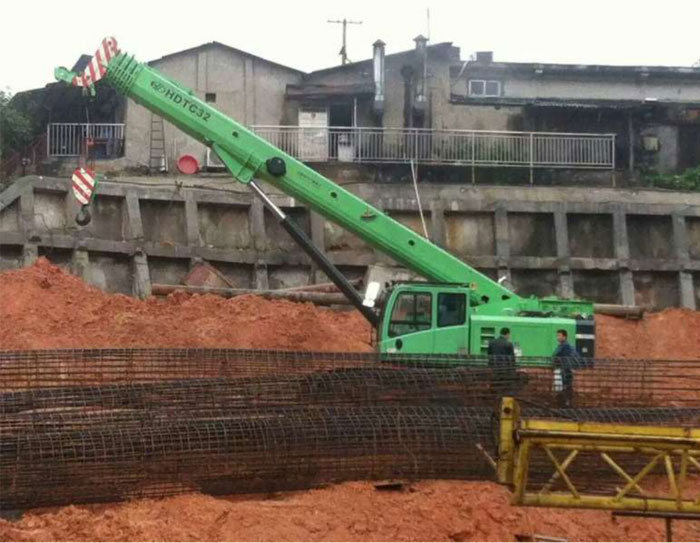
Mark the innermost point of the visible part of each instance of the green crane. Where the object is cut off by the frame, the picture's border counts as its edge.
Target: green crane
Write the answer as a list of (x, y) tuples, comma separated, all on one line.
[(456, 311)]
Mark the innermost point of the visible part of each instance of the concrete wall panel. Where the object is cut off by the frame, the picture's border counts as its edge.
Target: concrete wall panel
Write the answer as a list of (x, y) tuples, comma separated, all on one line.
[(168, 271), (597, 286), (59, 257), (240, 275), (339, 239), (49, 211), (590, 235), (10, 257), (693, 236), (412, 220), (537, 282), (111, 272), (224, 226), (277, 237), (9, 217), (353, 272), (656, 290), (288, 276), (164, 221), (650, 236), (470, 233), (108, 218), (531, 234)]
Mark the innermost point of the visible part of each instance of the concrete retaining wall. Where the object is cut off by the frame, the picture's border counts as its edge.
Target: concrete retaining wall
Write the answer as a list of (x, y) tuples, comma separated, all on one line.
[(608, 245)]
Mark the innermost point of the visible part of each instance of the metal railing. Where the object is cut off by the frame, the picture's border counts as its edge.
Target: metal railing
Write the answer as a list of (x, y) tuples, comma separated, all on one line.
[(452, 147), (105, 140)]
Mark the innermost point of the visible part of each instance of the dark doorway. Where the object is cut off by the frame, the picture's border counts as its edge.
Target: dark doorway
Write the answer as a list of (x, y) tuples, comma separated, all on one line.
[(341, 139), (688, 147), (340, 115), (598, 120)]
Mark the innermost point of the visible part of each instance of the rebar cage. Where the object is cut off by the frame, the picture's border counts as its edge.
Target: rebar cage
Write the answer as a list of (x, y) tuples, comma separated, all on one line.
[(110, 424)]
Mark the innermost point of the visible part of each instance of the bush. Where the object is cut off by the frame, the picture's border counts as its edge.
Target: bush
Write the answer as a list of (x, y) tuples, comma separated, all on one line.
[(688, 180), (15, 127)]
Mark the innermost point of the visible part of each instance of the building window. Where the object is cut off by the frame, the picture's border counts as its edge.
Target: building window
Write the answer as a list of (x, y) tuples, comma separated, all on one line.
[(210, 97), (482, 87)]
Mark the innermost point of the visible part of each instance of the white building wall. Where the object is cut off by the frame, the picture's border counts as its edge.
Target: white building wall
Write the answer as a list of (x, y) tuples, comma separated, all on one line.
[(248, 89)]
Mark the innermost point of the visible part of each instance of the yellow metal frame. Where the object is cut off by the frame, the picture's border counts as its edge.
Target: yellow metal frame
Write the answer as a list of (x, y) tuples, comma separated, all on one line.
[(659, 445)]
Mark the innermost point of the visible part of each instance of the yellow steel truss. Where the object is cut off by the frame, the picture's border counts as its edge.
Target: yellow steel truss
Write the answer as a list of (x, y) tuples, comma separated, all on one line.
[(672, 453)]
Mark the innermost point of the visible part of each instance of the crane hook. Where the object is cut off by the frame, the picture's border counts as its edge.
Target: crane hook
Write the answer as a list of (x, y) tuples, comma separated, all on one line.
[(83, 217)]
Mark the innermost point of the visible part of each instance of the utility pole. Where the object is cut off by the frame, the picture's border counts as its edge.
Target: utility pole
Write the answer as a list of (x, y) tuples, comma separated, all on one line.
[(344, 49)]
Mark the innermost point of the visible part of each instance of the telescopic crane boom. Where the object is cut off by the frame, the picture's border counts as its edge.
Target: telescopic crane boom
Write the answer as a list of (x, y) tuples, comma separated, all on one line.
[(249, 157)]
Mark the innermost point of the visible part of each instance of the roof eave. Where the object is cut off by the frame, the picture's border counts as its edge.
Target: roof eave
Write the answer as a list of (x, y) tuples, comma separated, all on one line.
[(228, 48)]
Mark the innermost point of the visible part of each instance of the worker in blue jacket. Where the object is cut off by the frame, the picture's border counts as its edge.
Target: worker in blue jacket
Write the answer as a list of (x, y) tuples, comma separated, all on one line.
[(566, 358)]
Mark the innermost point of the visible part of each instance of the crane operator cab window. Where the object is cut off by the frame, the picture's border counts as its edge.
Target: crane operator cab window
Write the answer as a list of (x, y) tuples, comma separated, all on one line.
[(452, 309), (412, 312)]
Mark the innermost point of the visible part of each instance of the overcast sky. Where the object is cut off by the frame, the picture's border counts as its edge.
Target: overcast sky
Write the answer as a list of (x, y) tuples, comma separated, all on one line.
[(36, 36)]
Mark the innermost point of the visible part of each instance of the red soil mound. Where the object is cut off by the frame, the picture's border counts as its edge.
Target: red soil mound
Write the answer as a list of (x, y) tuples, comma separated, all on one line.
[(672, 334), (43, 307), (430, 511)]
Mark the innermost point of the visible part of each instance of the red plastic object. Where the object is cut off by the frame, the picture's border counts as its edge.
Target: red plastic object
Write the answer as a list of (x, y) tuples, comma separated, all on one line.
[(187, 164)]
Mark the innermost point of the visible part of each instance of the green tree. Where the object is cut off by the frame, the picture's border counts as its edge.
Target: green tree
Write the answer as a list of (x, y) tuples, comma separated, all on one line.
[(15, 127)]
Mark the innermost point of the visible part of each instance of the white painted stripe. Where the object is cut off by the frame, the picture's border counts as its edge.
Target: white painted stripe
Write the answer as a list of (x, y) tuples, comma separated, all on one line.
[(79, 191), (86, 178), (585, 336), (80, 184), (111, 48), (90, 71), (78, 196), (95, 69)]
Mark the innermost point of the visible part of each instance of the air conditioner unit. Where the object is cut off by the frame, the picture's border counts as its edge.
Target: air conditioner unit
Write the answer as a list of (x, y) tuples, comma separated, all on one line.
[(213, 161)]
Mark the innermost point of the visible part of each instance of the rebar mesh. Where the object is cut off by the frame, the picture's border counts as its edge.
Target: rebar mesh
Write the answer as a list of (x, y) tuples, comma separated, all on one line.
[(101, 425)]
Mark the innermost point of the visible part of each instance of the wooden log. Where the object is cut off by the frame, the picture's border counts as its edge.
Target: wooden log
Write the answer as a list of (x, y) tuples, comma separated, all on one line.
[(626, 311), (320, 287), (319, 298)]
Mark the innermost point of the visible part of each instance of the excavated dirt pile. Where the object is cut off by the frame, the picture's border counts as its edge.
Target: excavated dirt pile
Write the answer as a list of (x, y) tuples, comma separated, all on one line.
[(428, 511), (43, 307), (670, 334)]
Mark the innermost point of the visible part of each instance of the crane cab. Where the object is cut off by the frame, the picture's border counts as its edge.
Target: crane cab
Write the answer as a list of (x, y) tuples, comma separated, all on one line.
[(425, 318), (435, 318)]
